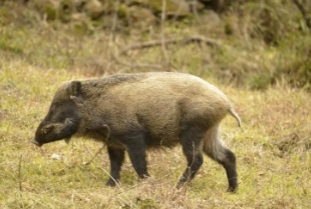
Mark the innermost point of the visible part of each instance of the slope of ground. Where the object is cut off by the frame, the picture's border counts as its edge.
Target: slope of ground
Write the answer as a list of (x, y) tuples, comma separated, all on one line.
[(272, 147)]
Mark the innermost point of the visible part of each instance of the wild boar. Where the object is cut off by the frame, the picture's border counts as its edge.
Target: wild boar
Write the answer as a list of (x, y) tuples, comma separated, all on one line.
[(134, 112)]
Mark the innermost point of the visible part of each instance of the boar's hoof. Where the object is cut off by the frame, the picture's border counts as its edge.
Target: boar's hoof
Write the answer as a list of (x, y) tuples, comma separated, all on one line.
[(181, 184), (111, 182), (232, 190), (144, 176), (67, 140)]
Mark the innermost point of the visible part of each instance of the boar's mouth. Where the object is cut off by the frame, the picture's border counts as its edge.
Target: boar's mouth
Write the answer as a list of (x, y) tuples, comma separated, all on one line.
[(36, 143), (55, 132), (40, 144)]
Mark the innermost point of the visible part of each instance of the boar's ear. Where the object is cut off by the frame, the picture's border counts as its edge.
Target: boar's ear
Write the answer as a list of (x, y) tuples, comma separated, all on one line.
[(77, 100), (74, 88)]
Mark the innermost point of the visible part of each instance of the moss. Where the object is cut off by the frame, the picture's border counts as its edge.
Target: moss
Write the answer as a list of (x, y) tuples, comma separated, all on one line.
[(7, 45), (146, 204), (177, 8), (50, 11), (6, 15), (123, 11), (259, 81)]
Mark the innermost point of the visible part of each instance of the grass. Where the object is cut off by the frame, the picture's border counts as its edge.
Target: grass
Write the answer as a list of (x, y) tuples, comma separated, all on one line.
[(272, 147)]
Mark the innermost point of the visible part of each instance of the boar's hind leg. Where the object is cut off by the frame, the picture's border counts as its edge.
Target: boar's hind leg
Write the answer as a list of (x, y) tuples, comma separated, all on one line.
[(215, 148), (116, 157), (191, 145)]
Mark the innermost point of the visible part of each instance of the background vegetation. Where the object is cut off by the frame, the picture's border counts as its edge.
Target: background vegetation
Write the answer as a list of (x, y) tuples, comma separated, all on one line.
[(257, 52)]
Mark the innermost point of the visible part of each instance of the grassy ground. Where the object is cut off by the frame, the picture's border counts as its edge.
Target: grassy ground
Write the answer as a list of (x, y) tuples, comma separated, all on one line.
[(272, 148)]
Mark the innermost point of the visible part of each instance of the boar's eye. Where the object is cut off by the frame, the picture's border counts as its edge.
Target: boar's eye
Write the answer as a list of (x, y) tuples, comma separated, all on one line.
[(46, 129)]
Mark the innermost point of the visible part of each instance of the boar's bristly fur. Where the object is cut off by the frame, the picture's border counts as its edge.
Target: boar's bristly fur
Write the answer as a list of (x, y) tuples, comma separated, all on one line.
[(134, 112)]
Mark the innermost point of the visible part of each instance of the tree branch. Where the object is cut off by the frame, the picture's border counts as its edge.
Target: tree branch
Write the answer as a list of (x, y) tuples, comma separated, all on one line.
[(304, 13), (163, 45), (135, 64), (186, 40), (99, 151), (20, 173)]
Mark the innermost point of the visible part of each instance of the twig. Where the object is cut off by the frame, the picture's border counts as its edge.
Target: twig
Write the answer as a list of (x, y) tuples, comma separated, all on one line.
[(163, 45), (137, 65), (186, 40), (194, 10), (20, 173), (116, 182), (304, 14), (99, 151), (200, 39), (115, 20)]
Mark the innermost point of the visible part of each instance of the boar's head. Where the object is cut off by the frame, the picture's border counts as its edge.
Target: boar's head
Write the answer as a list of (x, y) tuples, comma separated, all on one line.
[(62, 120)]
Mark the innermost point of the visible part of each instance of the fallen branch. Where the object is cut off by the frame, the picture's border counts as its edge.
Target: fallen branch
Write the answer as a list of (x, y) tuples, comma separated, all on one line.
[(99, 151), (163, 45), (20, 173), (186, 40), (136, 65), (305, 15)]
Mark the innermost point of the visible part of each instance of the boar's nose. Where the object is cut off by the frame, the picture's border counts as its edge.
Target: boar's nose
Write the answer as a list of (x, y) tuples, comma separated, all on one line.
[(36, 143)]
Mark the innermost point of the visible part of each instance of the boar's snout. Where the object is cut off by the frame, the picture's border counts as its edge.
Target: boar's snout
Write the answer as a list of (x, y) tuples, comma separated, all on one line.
[(36, 143), (55, 131)]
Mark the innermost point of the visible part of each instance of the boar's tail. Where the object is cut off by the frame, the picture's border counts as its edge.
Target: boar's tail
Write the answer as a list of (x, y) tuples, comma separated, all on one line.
[(236, 116)]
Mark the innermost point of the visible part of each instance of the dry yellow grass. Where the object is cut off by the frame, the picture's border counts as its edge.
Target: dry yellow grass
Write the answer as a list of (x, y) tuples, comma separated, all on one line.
[(273, 147)]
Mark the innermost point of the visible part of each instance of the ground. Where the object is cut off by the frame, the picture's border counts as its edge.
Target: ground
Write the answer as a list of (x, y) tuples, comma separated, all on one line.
[(272, 147)]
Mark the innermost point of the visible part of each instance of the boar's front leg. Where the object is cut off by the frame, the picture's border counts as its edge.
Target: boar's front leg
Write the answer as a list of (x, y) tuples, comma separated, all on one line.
[(116, 157), (136, 148)]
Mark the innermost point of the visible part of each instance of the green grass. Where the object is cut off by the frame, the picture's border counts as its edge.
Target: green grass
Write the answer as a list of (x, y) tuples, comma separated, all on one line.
[(272, 148)]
